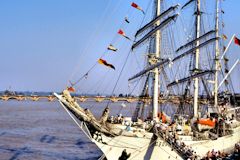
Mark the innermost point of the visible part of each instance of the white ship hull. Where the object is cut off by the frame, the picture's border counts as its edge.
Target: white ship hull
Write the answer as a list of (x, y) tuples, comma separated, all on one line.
[(145, 147), (222, 144), (139, 148)]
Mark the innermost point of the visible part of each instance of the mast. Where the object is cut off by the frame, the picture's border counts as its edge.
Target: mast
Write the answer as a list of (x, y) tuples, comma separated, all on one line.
[(196, 85), (154, 61), (216, 56), (156, 70)]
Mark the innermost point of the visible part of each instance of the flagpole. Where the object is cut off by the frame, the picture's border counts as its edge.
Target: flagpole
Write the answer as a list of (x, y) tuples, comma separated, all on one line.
[(225, 51), (237, 61)]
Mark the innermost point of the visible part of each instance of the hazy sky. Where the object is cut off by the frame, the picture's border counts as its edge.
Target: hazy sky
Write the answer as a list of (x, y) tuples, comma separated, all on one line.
[(43, 42)]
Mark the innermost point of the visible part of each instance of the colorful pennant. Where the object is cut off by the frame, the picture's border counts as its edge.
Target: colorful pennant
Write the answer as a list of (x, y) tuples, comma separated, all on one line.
[(126, 20), (134, 5), (123, 34), (103, 62), (112, 48), (224, 37), (236, 41), (71, 89)]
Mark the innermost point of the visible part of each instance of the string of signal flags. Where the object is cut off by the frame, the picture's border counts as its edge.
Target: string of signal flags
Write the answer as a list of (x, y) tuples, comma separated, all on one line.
[(110, 47), (121, 33)]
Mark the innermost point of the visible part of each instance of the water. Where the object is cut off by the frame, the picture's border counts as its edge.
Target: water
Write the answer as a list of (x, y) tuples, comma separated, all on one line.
[(41, 130)]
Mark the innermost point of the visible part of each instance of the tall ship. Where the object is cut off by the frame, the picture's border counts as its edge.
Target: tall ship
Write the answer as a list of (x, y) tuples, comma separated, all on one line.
[(184, 68)]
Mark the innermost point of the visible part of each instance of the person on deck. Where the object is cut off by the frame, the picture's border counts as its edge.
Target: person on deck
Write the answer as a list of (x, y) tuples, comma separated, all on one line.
[(124, 155)]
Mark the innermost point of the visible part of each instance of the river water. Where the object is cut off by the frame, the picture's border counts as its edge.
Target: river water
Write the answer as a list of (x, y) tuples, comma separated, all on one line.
[(41, 130)]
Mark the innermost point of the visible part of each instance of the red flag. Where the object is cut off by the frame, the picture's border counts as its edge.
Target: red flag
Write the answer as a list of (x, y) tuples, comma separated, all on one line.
[(123, 34), (134, 5), (236, 41), (101, 61), (71, 89)]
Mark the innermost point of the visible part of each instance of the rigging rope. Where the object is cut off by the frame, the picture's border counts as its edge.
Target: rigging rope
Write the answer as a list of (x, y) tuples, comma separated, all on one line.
[(125, 62), (93, 40), (97, 31)]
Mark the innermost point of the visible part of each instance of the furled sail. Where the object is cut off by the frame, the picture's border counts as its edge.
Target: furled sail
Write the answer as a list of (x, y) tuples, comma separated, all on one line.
[(149, 34), (151, 23), (199, 74)]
